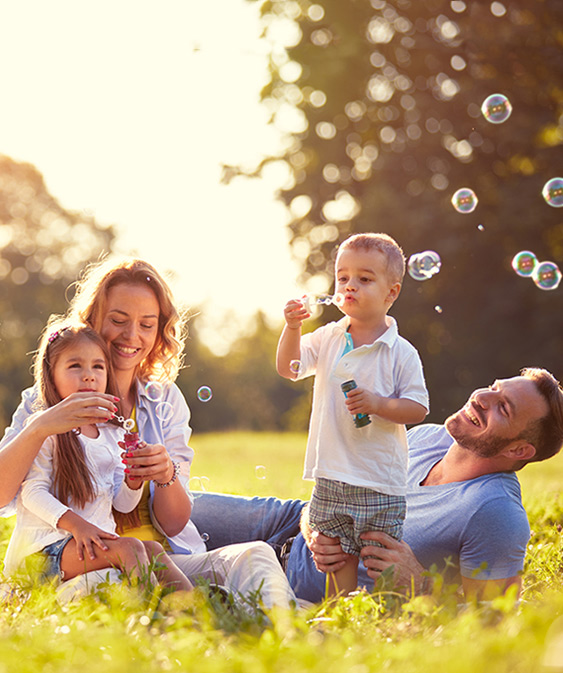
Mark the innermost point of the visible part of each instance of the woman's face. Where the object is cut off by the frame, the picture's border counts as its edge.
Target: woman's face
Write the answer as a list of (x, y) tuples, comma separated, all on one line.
[(130, 325)]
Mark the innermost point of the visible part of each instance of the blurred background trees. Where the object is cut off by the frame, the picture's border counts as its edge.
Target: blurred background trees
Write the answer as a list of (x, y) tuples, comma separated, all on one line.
[(380, 103)]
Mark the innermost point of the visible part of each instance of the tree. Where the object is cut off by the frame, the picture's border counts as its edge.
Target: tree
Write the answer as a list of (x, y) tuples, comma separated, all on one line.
[(43, 247), (381, 105)]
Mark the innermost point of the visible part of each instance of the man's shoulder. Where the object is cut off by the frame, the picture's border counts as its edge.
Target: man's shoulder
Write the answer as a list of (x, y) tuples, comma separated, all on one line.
[(428, 435)]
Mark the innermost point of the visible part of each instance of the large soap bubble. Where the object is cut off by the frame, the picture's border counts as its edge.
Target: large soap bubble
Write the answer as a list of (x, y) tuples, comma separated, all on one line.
[(524, 263), (552, 192), (547, 276), (496, 108), (424, 265)]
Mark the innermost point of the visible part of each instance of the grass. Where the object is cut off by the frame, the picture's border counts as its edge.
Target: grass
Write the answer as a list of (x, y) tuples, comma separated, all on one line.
[(123, 630)]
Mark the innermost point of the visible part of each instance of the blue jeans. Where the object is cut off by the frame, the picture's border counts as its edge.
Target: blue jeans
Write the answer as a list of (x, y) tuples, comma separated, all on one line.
[(224, 519)]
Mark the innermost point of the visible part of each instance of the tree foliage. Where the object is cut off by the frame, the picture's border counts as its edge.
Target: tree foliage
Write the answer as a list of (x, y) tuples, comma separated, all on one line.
[(380, 105), (43, 247)]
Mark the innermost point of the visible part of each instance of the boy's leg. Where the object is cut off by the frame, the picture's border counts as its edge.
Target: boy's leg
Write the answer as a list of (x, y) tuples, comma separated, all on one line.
[(345, 580), (127, 554), (170, 576), (229, 519)]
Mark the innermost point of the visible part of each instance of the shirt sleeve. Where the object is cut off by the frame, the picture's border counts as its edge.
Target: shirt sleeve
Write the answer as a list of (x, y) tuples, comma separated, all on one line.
[(125, 499), (410, 384), (21, 414), (494, 541), (177, 431), (310, 348), (35, 490)]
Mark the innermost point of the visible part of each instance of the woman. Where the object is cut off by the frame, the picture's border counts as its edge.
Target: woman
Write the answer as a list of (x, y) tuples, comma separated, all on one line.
[(132, 307)]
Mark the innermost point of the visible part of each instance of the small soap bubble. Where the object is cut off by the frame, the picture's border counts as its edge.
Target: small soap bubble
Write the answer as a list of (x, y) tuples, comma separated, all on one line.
[(496, 108), (547, 276), (260, 472), (295, 366), (154, 391), (338, 299), (198, 484), (129, 424), (424, 265), (552, 192), (480, 227), (524, 263), (205, 537), (204, 394), (465, 200), (164, 411), (438, 309)]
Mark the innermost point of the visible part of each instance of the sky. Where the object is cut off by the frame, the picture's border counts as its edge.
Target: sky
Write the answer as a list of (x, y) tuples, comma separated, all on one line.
[(129, 109)]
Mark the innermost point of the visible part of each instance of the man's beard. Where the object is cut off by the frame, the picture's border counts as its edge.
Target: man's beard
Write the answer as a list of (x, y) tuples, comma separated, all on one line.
[(484, 446)]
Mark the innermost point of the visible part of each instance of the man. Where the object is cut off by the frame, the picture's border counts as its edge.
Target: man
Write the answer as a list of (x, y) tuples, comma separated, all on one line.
[(464, 507)]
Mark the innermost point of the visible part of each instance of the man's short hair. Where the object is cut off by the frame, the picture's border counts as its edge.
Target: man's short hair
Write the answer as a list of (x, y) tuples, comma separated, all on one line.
[(386, 246), (545, 434)]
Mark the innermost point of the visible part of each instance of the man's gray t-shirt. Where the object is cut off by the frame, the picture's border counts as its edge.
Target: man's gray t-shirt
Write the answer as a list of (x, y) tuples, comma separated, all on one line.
[(477, 528)]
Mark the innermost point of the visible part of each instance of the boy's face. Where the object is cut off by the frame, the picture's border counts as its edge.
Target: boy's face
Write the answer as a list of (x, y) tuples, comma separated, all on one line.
[(362, 279)]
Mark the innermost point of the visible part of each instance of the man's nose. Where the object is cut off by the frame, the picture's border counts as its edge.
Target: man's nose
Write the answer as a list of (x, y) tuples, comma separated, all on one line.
[(483, 396)]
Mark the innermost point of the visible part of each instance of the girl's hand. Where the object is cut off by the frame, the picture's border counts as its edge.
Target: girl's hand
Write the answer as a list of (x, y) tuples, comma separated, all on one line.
[(149, 462), (76, 410), (295, 313), (86, 535)]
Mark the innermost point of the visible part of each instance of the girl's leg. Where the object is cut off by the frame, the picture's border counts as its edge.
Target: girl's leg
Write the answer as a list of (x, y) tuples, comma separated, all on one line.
[(126, 553), (170, 576)]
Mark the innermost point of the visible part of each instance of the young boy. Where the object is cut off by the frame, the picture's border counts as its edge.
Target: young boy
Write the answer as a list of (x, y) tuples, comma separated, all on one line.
[(360, 472)]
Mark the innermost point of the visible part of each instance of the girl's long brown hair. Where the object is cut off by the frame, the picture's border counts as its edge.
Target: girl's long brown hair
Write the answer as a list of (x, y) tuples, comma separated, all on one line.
[(72, 479)]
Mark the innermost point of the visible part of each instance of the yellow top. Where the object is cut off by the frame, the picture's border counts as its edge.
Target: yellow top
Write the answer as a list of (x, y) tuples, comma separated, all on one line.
[(146, 531)]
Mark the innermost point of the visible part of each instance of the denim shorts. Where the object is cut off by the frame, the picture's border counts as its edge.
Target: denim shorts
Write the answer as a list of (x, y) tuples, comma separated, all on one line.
[(53, 553)]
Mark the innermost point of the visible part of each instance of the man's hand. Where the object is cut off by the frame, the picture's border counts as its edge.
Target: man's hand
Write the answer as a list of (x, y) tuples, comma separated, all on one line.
[(327, 552), (408, 571)]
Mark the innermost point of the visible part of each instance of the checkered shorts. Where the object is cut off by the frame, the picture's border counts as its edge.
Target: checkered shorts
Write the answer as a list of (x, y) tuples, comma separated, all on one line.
[(345, 511)]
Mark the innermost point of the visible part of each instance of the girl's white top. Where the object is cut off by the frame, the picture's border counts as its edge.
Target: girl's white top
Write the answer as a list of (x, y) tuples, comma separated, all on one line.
[(38, 510)]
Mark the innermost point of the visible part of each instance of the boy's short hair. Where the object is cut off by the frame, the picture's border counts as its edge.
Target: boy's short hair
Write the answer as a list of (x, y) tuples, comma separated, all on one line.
[(386, 246)]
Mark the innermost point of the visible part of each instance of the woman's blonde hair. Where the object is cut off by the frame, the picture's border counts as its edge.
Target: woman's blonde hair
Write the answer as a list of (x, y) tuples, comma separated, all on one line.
[(72, 479), (89, 305)]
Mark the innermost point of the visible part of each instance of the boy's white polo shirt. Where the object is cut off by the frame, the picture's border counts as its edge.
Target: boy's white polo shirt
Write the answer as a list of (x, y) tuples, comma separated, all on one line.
[(374, 456)]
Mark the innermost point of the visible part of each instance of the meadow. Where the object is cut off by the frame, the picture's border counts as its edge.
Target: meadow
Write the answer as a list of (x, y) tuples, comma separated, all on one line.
[(122, 630)]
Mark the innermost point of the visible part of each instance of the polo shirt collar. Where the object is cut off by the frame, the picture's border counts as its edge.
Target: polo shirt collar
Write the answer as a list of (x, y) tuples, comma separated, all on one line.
[(388, 337)]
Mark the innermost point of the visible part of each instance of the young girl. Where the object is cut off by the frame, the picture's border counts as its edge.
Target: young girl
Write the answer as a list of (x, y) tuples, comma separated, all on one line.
[(64, 508)]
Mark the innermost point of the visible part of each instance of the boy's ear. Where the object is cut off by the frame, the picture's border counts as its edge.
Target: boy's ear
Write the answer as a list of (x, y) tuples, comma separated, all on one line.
[(394, 291)]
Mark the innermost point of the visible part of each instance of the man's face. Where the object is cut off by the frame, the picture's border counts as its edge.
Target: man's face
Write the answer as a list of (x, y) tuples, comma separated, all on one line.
[(496, 416)]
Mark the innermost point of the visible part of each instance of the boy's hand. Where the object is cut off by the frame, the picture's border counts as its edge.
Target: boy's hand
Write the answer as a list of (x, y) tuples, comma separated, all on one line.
[(295, 313), (361, 401)]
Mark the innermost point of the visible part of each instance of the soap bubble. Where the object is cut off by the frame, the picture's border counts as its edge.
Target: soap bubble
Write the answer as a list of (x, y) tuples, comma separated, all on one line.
[(164, 411), (338, 299), (205, 537), (438, 309), (480, 227), (524, 263), (198, 484), (547, 276), (129, 424), (204, 394), (496, 108), (260, 472), (424, 265), (154, 391), (552, 192), (295, 366), (465, 200)]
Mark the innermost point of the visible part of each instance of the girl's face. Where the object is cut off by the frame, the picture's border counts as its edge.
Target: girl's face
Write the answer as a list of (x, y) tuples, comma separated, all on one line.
[(130, 325), (81, 367)]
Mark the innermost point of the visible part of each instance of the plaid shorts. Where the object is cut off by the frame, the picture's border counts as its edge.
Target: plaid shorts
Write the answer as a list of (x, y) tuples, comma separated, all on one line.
[(345, 511)]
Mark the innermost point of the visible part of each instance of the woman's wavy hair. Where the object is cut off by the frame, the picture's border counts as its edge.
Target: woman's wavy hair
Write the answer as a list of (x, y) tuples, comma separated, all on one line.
[(72, 479), (89, 305)]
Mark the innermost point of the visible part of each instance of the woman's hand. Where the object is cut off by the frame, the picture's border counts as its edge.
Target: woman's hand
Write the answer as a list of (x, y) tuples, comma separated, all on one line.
[(76, 410), (148, 462)]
